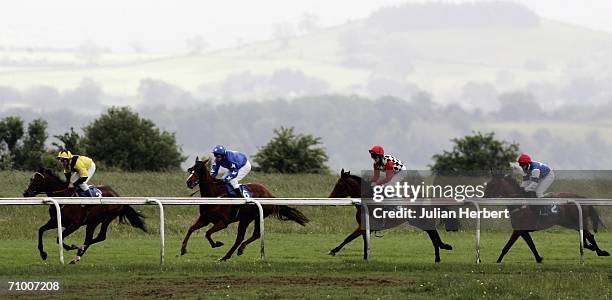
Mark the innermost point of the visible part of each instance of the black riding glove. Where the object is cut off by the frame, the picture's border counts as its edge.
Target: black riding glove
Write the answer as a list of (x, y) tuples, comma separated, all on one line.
[(79, 181)]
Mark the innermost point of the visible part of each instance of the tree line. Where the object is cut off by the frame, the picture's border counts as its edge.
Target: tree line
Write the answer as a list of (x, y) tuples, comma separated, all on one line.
[(121, 139)]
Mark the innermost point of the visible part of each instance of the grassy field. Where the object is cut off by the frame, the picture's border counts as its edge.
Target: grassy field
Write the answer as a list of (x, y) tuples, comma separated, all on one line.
[(297, 265)]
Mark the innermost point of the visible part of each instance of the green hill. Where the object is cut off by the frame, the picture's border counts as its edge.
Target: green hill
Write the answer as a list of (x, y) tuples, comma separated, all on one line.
[(344, 59)]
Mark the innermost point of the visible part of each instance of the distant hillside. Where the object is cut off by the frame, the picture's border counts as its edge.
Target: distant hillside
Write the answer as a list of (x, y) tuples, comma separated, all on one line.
[(464, 53)]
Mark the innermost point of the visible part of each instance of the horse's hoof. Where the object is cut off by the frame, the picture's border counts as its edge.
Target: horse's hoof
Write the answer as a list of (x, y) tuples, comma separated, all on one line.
[(332, 253), (446, 247), (223, 259), (603, 253), (72, 262), (183, 251), (539, 259), (218, 244), (499, 261), (437, 260), (43, 255), (240, 252)]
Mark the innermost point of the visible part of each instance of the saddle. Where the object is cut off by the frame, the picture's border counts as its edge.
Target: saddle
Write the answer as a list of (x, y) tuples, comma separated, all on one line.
[(91, 192)]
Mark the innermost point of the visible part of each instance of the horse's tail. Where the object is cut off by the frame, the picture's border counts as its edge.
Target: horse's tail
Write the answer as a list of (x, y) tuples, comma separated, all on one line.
[(135, 218), (287, 213), (595, 220)]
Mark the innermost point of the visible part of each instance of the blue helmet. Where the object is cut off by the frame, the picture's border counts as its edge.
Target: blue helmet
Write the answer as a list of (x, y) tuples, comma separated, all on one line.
[(219, 150)]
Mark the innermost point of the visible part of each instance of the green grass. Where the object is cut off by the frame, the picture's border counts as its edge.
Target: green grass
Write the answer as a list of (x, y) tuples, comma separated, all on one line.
[(297, 265)]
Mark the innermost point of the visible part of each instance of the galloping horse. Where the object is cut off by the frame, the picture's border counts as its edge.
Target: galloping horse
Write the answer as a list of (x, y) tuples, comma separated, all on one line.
[(223, 215), (44, 181), (350, 186), (526, 219)]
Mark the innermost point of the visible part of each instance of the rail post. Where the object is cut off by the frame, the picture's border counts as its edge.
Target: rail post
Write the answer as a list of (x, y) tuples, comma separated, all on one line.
[(60, 238), (162, 237), (581, 229), (366, 214), (477, 230), (261, 226)]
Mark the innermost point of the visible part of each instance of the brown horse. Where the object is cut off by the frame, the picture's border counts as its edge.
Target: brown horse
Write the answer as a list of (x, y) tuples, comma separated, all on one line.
[(44, 181), (223, 215), (526, 219), (350, 186)]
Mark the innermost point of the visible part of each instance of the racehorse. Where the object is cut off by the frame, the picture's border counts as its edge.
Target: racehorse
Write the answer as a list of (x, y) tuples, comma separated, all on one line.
[(44, 181), (526, 219), (223, 215), (350, 186)]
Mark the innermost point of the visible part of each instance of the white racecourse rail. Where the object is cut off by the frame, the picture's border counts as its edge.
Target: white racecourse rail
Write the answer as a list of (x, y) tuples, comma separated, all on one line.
[(161, 201)]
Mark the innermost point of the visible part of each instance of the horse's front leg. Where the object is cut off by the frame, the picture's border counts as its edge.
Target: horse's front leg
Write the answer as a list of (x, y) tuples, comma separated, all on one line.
[(347, 240), (68, 231), (197, 225), (435, 241), (216, 227), (51, 224)]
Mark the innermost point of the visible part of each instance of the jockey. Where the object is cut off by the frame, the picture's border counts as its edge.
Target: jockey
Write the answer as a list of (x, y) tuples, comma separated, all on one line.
[(78, 170), (387, 163), (236, 163), (538, 176)]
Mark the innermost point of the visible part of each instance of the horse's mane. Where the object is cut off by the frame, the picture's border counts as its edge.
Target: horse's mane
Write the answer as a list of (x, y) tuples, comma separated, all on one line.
[(512, 181), (356, 178), (50, 173)]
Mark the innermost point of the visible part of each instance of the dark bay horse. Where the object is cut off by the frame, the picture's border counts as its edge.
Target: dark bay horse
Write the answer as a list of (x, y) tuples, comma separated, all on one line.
[(44, 181), (223, 215), (350, 186), (526, 219)]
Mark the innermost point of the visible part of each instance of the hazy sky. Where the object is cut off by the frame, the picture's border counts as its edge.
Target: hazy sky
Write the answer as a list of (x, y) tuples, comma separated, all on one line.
[(165, 26)]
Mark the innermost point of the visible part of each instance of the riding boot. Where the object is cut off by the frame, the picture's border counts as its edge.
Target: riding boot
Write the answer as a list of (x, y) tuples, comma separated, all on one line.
[(238, 192)]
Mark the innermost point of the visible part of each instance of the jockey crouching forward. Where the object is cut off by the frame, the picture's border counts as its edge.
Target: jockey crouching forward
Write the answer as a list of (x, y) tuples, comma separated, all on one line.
[(538, 177), (78, 170), (392, 167), (387, 163), (236, 163)]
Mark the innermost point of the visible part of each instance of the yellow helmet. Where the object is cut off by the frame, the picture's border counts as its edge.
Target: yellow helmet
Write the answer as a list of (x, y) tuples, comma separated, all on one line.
[(64, 154)]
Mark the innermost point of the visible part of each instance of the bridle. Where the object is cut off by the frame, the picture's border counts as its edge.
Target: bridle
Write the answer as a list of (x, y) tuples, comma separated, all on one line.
[(40, 192)]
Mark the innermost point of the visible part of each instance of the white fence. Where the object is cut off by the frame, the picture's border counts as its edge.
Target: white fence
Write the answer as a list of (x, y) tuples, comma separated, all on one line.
[(161, 201)]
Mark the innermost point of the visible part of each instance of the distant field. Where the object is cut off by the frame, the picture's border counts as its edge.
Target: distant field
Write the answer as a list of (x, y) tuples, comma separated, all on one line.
[(297, 265)]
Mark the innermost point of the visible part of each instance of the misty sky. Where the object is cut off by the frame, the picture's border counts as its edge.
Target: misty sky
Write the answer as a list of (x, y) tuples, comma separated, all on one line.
[(165, 26)]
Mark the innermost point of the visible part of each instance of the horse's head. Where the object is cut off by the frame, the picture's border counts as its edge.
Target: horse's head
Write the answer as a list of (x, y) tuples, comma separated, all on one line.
[(197, 172), (347, 186), (502, 185), (43, 181)]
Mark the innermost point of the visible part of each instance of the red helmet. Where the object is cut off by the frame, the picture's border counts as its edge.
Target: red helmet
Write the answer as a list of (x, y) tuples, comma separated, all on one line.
[(377, 150), (524, 159)]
